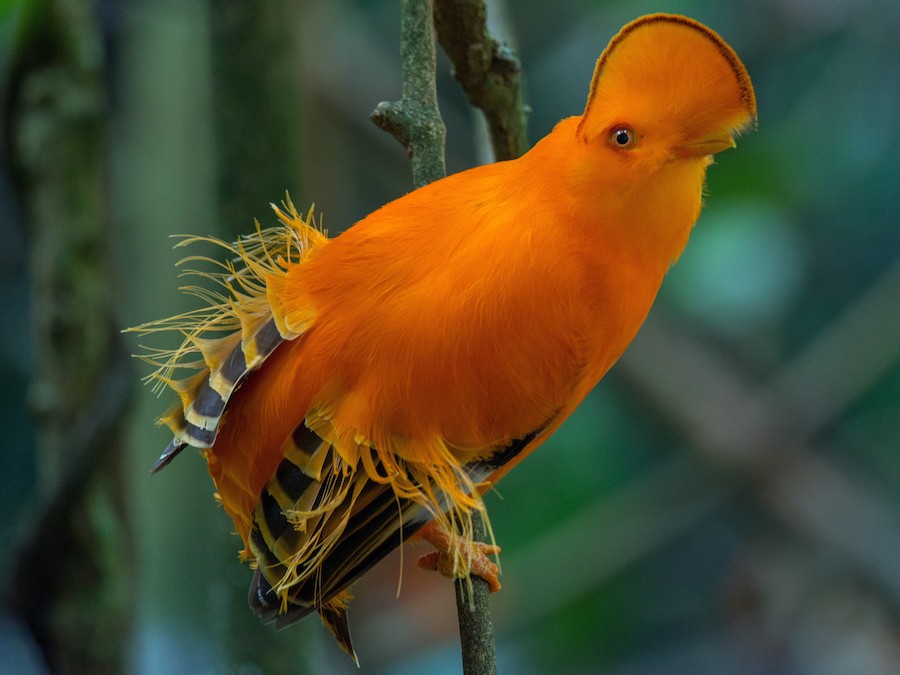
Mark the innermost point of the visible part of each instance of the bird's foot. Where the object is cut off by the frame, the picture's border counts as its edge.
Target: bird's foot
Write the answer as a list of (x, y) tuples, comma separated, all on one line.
[(457, 558)]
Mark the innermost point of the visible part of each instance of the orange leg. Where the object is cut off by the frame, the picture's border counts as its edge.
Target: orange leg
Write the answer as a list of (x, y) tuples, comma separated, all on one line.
[(457, 558)]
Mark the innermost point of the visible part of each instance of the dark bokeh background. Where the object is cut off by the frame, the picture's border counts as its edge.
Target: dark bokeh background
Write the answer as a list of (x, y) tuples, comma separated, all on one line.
[(725, 501)]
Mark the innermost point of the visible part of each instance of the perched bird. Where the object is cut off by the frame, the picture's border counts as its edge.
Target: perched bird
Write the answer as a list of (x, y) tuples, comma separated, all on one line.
[(349, 393)]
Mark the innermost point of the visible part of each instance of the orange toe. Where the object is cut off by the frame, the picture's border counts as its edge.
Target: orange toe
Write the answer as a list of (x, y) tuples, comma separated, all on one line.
[(460, 558)]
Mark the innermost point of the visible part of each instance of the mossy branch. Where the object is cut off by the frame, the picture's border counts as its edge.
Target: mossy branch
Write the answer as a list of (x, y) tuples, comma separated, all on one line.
[(415, 120), (489, 72), (473, 610)]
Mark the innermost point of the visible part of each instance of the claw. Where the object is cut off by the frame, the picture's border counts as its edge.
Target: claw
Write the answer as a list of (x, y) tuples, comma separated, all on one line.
[(467, 558)]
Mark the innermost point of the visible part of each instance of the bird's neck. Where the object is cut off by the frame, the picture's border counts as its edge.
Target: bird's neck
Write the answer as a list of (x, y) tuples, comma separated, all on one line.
[(620, 239), (643, 219)]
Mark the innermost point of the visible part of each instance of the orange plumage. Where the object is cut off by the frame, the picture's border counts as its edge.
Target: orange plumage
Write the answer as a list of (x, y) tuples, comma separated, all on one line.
[(353, 389)]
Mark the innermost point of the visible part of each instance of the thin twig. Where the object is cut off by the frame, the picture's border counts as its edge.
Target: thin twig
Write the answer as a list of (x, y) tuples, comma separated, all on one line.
[(416, 122), (489, 74), (473, 609), (415, 119)]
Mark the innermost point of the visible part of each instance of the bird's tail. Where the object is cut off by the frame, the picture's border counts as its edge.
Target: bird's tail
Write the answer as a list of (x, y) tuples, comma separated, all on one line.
[(233, 334), (316, 530)]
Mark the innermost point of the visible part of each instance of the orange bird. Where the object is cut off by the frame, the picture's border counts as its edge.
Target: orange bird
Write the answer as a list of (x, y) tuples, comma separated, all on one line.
[(349, 393)]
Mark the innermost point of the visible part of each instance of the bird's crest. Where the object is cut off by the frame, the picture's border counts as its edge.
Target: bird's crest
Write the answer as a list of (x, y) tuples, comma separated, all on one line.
[(664, 62)]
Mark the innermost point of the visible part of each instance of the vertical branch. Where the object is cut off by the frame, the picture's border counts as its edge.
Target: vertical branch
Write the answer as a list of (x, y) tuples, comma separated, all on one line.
[(489, 72), (416, 122), (490, 75), (415, 119), (473, 609)]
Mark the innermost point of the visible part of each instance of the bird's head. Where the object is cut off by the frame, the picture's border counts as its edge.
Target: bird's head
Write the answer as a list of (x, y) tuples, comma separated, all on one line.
[(666, 88)]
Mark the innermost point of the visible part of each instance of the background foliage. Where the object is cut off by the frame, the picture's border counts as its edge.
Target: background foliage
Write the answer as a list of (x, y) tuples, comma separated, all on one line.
[(725, 501)]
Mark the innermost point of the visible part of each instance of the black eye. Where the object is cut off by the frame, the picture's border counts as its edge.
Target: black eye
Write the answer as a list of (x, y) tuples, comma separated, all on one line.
[(622, 137)]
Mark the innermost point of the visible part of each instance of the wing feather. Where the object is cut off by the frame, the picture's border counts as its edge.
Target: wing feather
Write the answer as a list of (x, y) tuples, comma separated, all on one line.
[(310, 551)]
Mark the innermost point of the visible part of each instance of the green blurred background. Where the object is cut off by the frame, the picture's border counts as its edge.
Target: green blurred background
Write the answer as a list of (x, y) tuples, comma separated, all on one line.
[(726, 501)]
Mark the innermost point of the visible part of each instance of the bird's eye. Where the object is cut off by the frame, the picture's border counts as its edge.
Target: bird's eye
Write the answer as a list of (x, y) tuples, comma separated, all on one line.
[(622, 137)]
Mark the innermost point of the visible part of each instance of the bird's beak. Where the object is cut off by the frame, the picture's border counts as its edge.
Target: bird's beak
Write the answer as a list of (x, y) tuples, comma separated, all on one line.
[(706, 146)]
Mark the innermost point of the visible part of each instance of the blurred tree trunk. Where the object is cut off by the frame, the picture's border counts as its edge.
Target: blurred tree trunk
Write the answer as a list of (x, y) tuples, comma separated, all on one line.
[(70, 583), (255, 61), (256, 102)]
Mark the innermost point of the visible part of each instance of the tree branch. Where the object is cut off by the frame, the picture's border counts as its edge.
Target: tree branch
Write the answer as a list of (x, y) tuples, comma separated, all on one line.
[(489, 72), (415, 120), (473, 609)]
